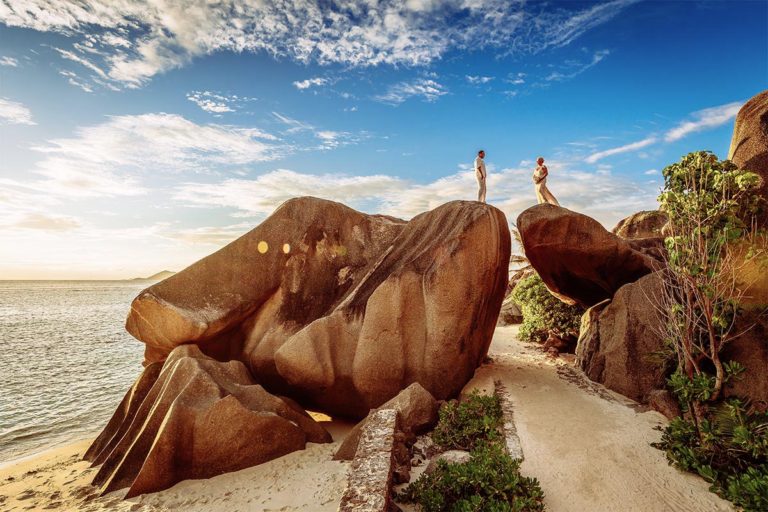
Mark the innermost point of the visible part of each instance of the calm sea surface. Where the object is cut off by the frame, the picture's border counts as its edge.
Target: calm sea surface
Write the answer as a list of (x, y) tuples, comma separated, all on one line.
[(65, 360)]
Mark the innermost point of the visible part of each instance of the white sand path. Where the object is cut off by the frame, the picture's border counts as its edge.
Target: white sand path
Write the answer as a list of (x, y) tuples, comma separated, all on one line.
[(589, 447)]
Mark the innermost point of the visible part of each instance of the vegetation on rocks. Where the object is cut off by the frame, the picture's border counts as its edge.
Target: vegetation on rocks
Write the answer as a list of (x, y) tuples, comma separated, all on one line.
[(543, 313), (490, 481), (711, 204), (465, 425)]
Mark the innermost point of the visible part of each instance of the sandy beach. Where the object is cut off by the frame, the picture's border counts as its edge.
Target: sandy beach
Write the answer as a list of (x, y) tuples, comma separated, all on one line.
[(589, 448), (57, 479)]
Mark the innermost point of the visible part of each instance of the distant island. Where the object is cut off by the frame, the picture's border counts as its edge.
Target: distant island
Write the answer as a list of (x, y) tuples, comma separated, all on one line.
[(163, 274)]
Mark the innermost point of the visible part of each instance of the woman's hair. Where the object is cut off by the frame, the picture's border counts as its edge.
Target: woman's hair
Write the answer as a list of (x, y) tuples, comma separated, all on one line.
[(539, 158)]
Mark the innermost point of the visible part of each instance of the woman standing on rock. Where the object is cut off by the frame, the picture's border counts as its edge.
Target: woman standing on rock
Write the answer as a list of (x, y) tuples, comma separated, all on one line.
[(540, 181)]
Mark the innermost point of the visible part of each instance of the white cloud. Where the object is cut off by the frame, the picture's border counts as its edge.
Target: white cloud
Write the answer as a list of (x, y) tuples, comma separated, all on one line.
[(559, 76), (75, 80), (135, 41), (260, 196), (12, 112), (704, 120), (601, 195), (9, 61), (428, 89), (216, 103), (476, 79), (651, 172), (42, 221), (306, 84), (594, 157), (329, 139), (111, 158)]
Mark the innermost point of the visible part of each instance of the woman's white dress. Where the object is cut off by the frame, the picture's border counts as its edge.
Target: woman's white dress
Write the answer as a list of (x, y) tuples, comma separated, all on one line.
[(542, 192)]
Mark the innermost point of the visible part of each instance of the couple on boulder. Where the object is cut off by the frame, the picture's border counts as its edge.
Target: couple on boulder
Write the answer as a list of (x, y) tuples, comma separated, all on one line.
[(539, 180)]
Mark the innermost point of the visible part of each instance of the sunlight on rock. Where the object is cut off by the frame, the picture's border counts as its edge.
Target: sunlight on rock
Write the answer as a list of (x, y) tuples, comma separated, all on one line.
[(286, 248)]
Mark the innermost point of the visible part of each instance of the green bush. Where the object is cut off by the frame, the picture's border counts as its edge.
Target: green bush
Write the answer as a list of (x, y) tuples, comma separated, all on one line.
[(489, 482), (464, 425), (543, 313), (710, 204), (729, 450)]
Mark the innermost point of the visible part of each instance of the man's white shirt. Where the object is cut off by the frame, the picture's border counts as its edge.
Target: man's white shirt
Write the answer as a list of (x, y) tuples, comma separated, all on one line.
[(480, 164)]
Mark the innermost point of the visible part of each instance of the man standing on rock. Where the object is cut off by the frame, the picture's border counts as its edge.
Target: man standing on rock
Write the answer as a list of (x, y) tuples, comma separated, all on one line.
[(480, 174), (540, 181)]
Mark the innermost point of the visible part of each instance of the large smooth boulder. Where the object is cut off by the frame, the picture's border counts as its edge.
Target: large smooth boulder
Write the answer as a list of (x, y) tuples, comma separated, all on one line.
[(577, 258), (338, 309), (621, 346), (619, 337), (195, 417), (749, 144), (644, 224)]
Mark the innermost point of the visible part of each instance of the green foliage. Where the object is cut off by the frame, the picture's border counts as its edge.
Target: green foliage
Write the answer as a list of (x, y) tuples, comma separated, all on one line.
[(463, 425), (489, 482), (711, 204), (543, 313), (729, 450)]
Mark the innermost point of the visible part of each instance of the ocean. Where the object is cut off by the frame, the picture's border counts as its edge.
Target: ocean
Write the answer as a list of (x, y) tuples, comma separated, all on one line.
[(65, 360)]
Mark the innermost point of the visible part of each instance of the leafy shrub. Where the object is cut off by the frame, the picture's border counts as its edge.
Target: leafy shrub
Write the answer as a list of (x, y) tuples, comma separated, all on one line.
[(489, 482), (464, 425), (711, 204), (543, 313), (731, 453)]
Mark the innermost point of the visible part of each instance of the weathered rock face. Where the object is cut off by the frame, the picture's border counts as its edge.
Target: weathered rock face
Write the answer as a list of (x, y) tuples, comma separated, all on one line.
[(749, 145), (195, 417), (645, 224), (618, 338), (416, 408), (579, 260), (511, 314), (339, 309)]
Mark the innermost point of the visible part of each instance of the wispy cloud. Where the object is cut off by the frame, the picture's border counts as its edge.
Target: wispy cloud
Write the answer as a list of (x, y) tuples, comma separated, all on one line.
[(578, 68), (217, 103), (12, 112), (310, 82), (260, 196), (601, 195), (428, 89), (704, 120), (634, 146), (9, 61), (110, 159), (328, 139), (128, 43), (477, 79), (42, 221)]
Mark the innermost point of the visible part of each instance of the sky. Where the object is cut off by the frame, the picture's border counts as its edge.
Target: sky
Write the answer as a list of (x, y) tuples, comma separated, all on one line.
[(138, 136)]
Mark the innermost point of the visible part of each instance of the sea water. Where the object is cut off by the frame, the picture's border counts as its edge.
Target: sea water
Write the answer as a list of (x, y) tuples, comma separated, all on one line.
[(65, 360)]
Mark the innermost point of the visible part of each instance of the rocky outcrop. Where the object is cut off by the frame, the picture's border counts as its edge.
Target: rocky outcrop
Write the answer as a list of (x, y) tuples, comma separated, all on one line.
[(416, 408), (749, 145), (510, 313), (619, 337), (195, 417), (621, 341), (645, 224), (338, 309), (371, 475), (579, 260)]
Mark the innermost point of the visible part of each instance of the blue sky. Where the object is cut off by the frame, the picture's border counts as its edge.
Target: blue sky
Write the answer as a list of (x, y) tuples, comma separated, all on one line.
[(139, 136)]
